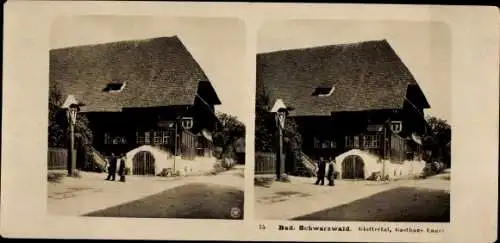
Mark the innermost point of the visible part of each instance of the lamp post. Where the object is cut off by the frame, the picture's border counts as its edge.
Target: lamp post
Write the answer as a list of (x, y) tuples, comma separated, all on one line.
[(280, 112), (186, 124), (280, 120), (72, 107)]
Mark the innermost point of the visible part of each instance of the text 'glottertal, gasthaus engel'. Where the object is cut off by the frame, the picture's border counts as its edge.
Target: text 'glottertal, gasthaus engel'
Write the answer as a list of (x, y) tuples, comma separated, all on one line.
[(344, 228)]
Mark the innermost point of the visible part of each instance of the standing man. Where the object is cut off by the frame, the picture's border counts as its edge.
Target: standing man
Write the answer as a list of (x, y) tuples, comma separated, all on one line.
[(112, 167), (121, 168), (331, 172), (321, 172)]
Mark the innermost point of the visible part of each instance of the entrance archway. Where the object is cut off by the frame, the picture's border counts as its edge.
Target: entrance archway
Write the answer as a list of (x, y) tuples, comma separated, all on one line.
[(353, 167), (143, 163)]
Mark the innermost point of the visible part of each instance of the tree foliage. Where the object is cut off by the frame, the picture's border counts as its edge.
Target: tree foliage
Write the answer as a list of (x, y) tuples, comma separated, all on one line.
[(291, 135), (265, 125), (265, 128), (58, 124), (225, 136), (440, 129), (57, 127), (438, 140)]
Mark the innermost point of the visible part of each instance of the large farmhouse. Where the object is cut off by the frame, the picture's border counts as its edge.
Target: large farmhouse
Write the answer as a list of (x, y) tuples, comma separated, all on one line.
[(357, 103), (146, 98)]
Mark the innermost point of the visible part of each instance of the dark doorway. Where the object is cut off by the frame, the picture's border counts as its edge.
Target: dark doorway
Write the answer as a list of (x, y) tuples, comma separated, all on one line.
[(144, 163), (353, 167)]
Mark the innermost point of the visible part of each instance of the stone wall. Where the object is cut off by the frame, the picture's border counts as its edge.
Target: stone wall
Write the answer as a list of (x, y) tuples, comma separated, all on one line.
[(374, 164), (165, 160), (407, 169)]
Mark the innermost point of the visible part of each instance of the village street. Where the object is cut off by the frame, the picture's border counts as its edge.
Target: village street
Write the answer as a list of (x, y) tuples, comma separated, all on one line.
[(422, 200), (150, 197)]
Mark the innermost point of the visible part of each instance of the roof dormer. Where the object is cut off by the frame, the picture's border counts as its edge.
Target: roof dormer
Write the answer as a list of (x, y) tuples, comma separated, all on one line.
[(114, 87), (323, 91)]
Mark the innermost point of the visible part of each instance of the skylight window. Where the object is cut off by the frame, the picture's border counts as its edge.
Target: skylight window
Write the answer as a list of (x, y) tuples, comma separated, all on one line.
[(114, 87), (323, 91)]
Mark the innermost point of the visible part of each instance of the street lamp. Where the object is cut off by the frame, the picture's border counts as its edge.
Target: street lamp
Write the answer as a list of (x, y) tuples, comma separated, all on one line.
[(72, 107), (187, 122), (280, 112)]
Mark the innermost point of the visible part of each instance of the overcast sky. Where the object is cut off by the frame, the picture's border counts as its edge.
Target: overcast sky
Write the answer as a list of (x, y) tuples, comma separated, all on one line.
[(218, 45), (424, 47)]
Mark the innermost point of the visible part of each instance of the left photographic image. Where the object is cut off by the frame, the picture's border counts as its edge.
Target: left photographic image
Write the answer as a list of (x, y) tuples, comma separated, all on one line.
[(142, 118)]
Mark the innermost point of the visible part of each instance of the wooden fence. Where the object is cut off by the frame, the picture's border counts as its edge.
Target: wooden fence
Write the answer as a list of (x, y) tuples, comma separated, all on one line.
[(57, 158), (265, 163)]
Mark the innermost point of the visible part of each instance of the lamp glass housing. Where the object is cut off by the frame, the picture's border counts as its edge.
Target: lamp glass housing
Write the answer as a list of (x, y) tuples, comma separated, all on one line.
[(71, 112), (281, 118), (187, 123)]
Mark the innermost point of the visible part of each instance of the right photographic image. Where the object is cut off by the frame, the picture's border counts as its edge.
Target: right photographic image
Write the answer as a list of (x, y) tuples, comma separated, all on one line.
[(353, 121)]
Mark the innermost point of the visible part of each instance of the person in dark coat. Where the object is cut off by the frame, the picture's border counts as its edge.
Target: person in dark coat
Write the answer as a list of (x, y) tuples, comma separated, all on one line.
[(321, 172), (112, 167), (331, 170), (121, 168)]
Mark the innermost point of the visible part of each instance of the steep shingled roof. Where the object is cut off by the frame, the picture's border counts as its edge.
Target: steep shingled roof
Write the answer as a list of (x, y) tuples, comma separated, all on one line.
[(365, 76), (157, 72)]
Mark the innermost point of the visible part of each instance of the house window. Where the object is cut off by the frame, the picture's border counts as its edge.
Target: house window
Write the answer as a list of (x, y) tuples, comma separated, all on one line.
[(139, 139), (165, 137), (153, 137), (107, 138), (352, 142), (157, 138), (110, 139), (323, 91), (114, 87), (119, 140), (320, 143), (371, 141), (146, 138)]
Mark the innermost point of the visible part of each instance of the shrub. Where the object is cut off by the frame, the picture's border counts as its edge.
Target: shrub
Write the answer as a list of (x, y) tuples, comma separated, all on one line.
[(227, 163), (375, 176), (55, 177), (98, 168), (222, 165), (126, 171), (169, 172), (218, 167), (263, 181), (187, 169), (442, 167), (284, 178), (164, 172), (336, 175), (76, 174), (433, 168)]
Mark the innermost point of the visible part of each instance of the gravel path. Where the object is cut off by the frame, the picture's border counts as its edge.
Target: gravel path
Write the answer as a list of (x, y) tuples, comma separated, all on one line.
[(356, 200), (191, 201), (90, 193)]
